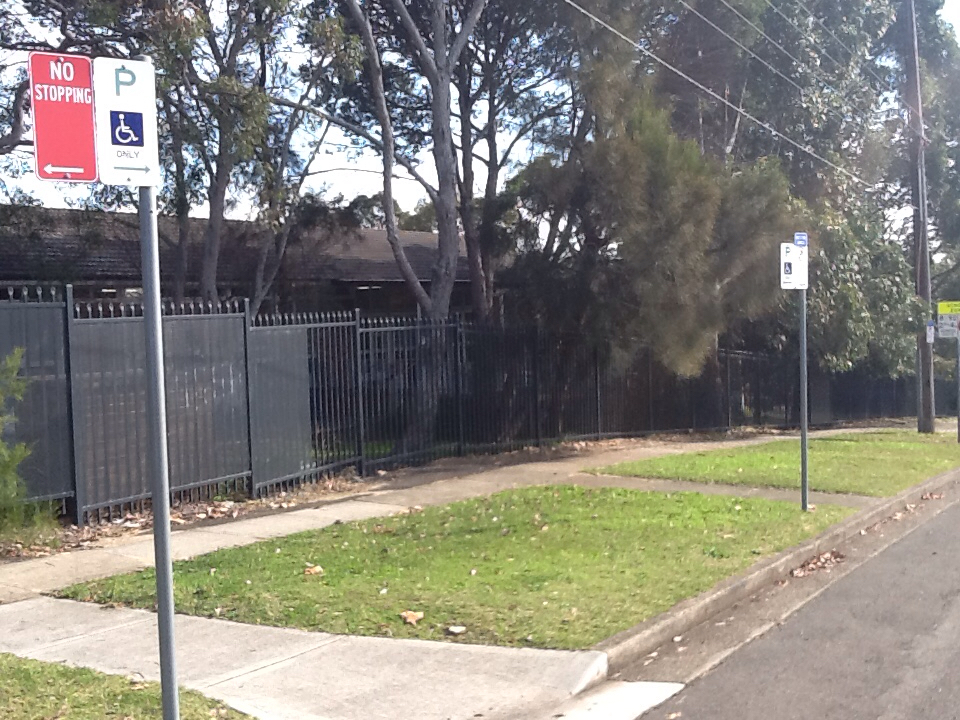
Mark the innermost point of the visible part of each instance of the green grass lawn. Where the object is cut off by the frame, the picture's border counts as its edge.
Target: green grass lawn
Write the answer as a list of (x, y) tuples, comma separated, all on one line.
[(876, 463), (561, 567), (30, 690)]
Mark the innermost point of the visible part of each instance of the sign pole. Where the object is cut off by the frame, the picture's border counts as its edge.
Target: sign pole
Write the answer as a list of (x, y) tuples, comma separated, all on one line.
[(94, 119), (158, 462), (804, 479), (795, 275), (958, 387)]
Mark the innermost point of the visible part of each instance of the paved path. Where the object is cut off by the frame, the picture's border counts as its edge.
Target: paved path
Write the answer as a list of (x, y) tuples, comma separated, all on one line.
[(284, 674), (883, 642)]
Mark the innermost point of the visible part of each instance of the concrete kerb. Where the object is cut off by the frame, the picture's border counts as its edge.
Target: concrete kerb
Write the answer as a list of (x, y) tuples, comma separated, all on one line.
[(633, 644)]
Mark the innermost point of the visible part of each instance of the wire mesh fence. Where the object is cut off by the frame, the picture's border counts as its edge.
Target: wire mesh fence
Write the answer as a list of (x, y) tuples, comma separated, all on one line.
[(256, 405)]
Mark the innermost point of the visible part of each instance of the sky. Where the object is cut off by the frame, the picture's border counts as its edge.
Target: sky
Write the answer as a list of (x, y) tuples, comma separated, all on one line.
[(342, 175)]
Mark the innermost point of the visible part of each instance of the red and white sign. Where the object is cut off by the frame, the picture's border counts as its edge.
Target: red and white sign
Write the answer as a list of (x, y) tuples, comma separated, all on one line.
[(61, 95)]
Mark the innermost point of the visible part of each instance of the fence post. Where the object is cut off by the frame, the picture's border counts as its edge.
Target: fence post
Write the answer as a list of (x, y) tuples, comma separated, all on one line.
[(596, 379), (459, 349), (650, 389), (79, 491), (536, 385), (247, 322), (729, 395), (358, 395)]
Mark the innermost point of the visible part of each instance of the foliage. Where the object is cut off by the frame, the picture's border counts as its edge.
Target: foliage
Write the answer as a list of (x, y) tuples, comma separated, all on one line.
[(13, 511), (561, 567), (33, 689), (650, 241), (878, 464)]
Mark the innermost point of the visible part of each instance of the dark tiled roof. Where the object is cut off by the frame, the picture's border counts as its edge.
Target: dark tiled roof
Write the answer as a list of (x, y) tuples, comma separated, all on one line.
[(49, 245)]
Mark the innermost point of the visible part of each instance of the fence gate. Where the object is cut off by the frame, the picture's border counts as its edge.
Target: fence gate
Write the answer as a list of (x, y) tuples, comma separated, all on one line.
[(207, 433), (304, 414)]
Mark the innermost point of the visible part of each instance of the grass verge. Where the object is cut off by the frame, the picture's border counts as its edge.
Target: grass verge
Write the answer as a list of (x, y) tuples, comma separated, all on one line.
[(561, 567), (878, 464), (32, 689)]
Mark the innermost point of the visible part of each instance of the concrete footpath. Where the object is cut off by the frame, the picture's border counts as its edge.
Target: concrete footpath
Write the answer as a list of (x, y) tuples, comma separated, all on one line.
[(276, 674)]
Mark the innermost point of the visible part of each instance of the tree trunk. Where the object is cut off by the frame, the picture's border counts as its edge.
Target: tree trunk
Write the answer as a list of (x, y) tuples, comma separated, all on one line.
[(471, 233), (448, 233), (211, 241), (182, 258)]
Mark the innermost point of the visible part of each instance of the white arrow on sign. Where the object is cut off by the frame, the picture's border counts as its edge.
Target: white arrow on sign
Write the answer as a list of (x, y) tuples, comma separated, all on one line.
[(48, 168), (135, 169)]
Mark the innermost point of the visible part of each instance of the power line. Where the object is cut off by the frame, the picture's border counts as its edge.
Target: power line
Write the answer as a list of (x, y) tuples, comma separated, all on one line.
[(766, 126), (884, 81), (746, 49), (780, 12), (841, 43), (814, 71)]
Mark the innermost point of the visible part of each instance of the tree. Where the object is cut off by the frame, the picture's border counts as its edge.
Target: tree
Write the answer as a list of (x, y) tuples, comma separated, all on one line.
[(435, 53), (645, 241), (226, 91)]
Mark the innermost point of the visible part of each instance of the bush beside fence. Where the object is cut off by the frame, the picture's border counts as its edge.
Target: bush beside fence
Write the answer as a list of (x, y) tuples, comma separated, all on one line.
[(256, 405)]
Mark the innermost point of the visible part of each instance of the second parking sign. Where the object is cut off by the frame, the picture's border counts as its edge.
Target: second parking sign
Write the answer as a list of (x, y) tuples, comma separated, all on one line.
[(126, 119)]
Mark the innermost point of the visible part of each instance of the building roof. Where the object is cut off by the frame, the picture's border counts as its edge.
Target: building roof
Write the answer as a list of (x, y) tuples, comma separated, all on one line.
[(79, 246)]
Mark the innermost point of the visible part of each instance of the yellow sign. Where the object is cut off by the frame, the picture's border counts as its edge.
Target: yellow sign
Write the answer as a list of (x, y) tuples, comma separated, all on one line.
[(950, 307)]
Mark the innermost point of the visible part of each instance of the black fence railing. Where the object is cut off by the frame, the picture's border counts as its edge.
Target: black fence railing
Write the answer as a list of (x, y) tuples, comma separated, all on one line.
[(260, 404)]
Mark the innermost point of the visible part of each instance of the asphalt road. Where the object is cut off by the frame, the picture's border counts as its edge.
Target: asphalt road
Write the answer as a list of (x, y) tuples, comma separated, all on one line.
[(881, 643)]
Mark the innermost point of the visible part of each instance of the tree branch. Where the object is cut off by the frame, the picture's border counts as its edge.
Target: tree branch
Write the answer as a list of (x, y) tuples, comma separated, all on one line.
[(466, 30), (388, 152), (11, 140), (427, 61), (354, 129)]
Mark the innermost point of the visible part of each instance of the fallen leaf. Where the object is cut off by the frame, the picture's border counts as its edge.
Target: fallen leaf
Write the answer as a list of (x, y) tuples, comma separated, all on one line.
[(678, 638), (313, 570), (456, 629), (473, 571), (674, 716), (411, 617)]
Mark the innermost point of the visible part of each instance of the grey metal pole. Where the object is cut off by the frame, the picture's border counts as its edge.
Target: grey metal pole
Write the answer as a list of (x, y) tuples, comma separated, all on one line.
[(157, 461), (926, 409), (804, 481), (958, 388)]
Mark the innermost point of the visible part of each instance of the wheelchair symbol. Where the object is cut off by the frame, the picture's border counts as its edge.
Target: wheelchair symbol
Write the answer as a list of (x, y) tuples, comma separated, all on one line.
[(126, 128)]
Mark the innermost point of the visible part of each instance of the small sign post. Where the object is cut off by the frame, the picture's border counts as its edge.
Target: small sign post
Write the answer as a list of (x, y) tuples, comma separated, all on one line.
[(794, 275), (103, 115), (948, 326)]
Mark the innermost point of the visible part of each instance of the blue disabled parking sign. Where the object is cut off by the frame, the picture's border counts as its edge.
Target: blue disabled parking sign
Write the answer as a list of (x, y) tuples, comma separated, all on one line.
[(126, 128)]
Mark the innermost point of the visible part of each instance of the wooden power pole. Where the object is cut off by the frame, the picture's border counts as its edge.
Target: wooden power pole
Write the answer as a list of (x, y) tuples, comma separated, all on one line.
[(926, 413)]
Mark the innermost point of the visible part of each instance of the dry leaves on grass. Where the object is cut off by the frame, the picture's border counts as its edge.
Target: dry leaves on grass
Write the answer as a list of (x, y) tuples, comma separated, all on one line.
[(411, 617), (313, 570), (932, 496), (72, 537), (824, 562)]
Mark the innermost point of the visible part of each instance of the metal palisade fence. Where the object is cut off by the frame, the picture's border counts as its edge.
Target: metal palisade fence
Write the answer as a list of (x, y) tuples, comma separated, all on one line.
[(257, 405)]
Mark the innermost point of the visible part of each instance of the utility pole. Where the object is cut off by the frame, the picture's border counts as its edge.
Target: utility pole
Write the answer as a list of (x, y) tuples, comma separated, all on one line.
[(926, 414)]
